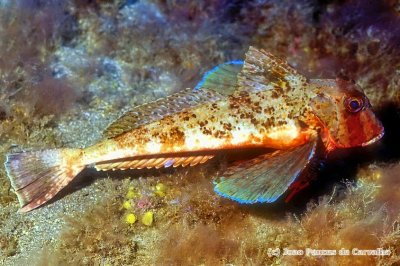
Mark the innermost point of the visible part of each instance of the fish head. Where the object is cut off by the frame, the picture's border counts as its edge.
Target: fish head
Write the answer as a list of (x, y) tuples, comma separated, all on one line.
[(345, 114)]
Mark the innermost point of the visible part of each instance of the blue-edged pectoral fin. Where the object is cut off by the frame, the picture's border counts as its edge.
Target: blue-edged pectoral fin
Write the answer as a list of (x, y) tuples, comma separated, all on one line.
[(266, 177)]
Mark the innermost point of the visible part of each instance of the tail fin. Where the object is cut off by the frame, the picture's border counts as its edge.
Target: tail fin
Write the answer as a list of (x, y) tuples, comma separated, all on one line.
[(38, 176)]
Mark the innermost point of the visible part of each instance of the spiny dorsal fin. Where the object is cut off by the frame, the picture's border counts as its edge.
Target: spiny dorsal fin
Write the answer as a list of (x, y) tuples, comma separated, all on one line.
[(267, 177), (157, 162), (222, 78), (153, 111), (263, 71)]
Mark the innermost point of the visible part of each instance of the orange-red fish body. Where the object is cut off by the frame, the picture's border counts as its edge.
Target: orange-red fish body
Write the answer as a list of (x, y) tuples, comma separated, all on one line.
[(262, 103)]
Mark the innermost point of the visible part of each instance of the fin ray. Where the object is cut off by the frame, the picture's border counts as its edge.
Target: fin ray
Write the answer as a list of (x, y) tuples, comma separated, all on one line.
[(155, 162)]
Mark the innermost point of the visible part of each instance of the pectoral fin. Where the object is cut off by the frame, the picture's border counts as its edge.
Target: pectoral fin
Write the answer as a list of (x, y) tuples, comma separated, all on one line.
[(266, 177)]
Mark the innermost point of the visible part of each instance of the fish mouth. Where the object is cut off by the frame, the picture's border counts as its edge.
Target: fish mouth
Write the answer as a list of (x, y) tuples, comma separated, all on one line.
[(374, 139)]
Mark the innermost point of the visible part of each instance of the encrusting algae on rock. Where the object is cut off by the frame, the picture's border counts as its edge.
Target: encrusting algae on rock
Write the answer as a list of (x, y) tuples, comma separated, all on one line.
[(126, 205), (147, 218), (160, 189), (130, 218), (131, 193)]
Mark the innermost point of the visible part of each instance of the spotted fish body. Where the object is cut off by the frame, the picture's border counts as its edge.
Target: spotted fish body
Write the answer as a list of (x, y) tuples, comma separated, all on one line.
[(267, 117), (245, 120), (263, 103)]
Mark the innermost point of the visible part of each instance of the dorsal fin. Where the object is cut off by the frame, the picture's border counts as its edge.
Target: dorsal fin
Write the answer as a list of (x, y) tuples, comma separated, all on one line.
[(150, 112), (222, 78), (263, 71)]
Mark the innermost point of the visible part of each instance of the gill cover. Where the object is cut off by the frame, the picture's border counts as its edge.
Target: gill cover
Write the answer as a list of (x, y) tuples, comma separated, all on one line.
[(345, 113)]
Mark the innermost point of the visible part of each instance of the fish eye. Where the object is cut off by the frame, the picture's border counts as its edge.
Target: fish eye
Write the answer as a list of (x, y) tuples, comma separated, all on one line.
[(354, 104)]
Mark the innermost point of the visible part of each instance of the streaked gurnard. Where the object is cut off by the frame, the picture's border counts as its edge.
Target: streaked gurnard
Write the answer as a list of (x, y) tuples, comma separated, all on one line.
[(259, 103)]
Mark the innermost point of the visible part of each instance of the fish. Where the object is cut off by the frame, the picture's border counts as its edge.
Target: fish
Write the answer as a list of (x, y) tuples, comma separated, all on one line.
[(261, 102)]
